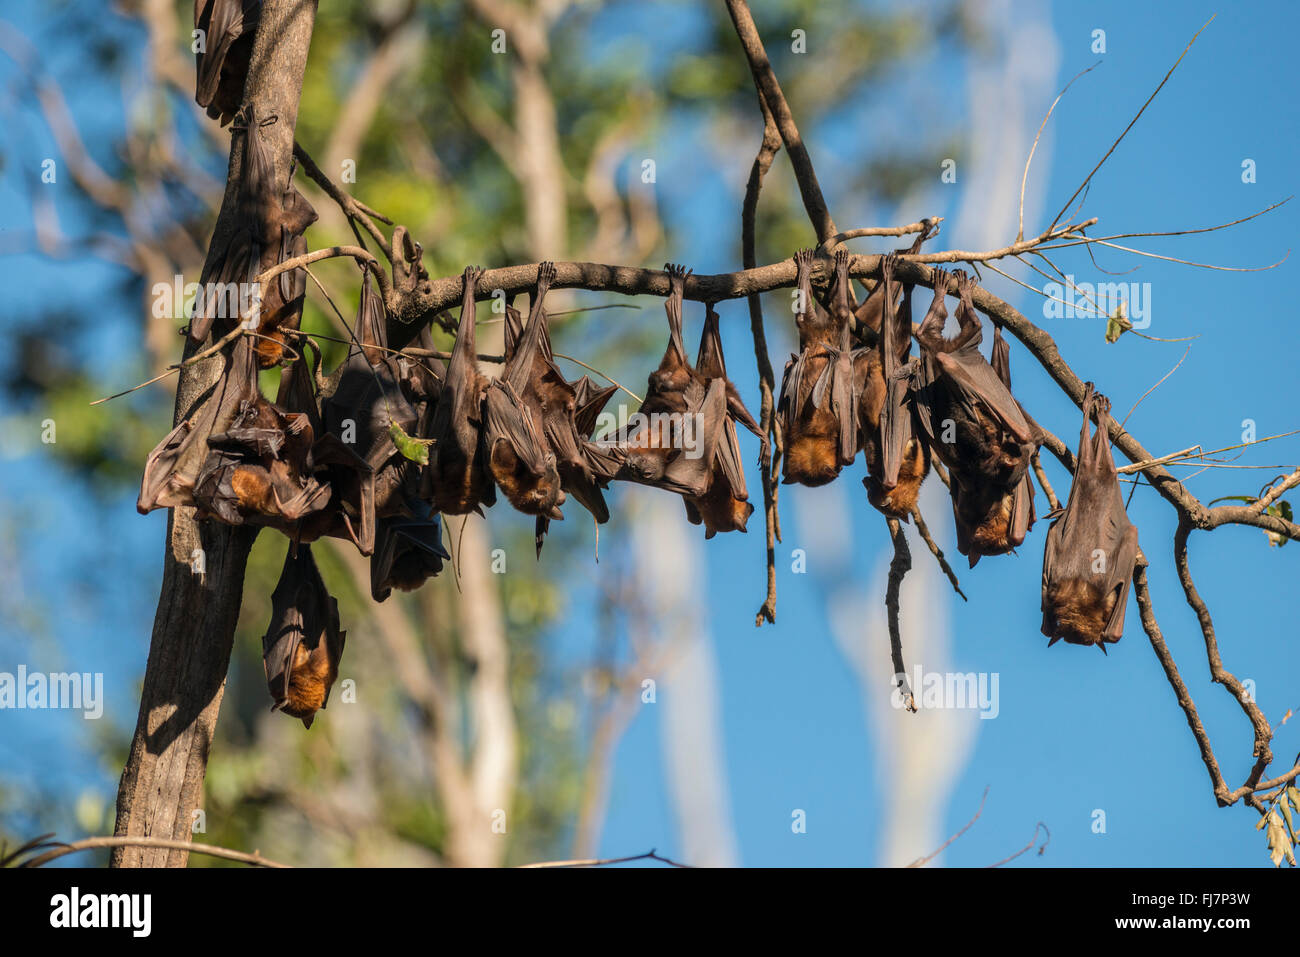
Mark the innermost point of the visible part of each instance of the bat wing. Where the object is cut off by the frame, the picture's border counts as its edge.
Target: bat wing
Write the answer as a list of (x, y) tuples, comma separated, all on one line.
[(224, 26), (844, 403), (172, 468), (897, 425), (408, 551), (691, 472), (506, 418), (974, 382), (589, 402), (330, 450)]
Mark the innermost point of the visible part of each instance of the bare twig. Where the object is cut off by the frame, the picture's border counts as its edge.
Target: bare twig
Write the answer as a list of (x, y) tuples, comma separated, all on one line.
[(650, 855), (91, 843), (922, 861)]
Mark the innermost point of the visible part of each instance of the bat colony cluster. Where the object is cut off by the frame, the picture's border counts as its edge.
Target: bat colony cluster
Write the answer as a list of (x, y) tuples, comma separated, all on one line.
[(377, 451)]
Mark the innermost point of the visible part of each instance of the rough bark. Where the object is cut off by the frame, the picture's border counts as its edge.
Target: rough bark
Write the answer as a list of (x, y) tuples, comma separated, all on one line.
[(162, 782)]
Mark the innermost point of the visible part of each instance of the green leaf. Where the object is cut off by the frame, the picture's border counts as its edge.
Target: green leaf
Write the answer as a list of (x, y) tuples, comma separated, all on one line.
[(1235, 498), (417, 450)]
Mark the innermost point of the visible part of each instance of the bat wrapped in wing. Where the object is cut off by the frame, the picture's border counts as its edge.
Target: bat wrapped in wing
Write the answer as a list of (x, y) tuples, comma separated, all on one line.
[(824, 384), (897, 455), (227, 28), (725, 506), (267, 229), (458, 479), (1091, 545), (975, 426), (568, 413), (680, 409), (303, 644), (515, 408)]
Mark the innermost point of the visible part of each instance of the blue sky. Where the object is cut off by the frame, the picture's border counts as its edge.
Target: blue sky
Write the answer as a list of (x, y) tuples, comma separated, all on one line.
[(1075, 732)]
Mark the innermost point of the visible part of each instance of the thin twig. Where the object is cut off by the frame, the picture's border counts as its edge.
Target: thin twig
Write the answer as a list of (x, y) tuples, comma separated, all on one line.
[(1089, 177), (1028, 847), (922, 861), (650, 855), (930, 543), (210, 850)]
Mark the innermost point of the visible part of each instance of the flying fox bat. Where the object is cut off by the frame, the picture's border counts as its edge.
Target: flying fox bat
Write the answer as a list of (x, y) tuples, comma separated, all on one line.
[(725, 506), (238, 457), (682, 408), (303, 644), (259, 467), (1091, 545), (974, 425), (408, 551), (516, 407), (267, 229), (568, 413), (228, 28), (350, 513), (173, 467), (897, 456), (820, 390), (458, 479), (369, 400)]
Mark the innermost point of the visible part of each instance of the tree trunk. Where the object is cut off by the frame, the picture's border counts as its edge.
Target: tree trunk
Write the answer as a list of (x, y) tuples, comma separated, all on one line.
[(162, 783)]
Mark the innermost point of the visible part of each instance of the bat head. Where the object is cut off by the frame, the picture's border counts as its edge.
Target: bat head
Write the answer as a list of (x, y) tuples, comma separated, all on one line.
[(1080, 610), (529, 492), (811, 459)]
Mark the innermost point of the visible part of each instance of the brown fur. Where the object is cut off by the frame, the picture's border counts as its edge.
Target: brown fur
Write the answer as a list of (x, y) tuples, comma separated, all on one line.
[(812, 452), (530, 494), (312, 676), (252, 487), (718, 510), (1081, 610), (899, 501)]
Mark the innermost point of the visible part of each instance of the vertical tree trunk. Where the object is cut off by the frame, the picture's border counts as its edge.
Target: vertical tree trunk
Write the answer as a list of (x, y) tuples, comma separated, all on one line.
[(162, 782)]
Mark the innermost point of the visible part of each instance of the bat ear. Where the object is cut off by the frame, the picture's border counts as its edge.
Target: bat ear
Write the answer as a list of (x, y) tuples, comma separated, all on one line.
[(306, 722), (1054, 641)]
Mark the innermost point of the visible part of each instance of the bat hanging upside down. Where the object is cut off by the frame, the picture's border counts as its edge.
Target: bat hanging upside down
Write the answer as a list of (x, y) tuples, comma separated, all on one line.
[(1091, 545), (685, 437), (303, 644), (975, 426)]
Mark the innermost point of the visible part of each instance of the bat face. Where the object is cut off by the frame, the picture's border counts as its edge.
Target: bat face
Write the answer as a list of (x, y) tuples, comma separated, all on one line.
[(1091, 546), (303, 644), (975, 426), (824, 384), (458, 480)]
